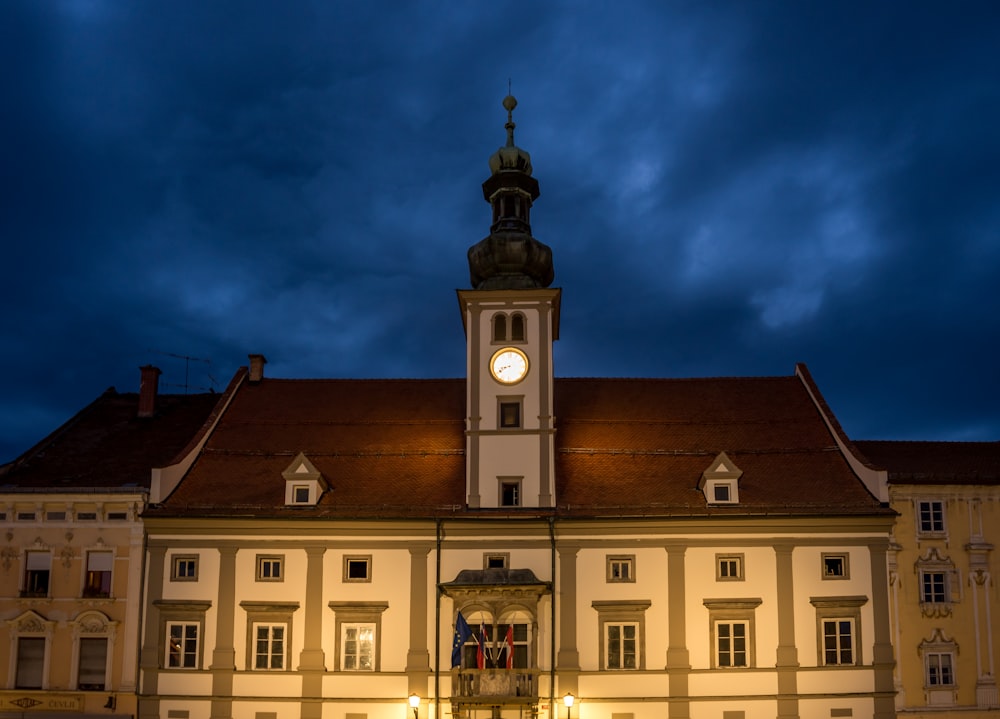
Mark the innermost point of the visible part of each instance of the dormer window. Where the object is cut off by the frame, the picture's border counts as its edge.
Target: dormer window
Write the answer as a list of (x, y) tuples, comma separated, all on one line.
[(720, 482), (304, 485)]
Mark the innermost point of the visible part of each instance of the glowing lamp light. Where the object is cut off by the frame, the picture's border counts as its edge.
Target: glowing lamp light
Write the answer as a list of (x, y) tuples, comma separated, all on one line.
[(414, 703), (568, 701)]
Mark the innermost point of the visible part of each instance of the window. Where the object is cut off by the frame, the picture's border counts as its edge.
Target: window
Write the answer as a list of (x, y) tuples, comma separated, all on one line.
[(499, 327), (500, 560), (36, 574), (728, 567), (269, 568), (269, 646), (838, 621), (300, 494), (358, 568), (621, 568), (357, 647), (930, 517), (86, 516), (838, 641), (182, 645), (731, 631), (517, 328), (304, 484), (621, 643), (835, 566), (98, 580), (933, 587), (731, 644), (622, 633), (117, 516), (30, 662), (55, 516), (510, 493), (939, 669), (92, 671), (495, 642), (183, 568), (510, 414), (721, 492)]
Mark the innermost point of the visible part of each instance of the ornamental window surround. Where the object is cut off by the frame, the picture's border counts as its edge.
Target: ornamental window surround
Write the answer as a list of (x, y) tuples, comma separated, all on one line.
[(838, 629), (622, 634), (732, 631), (358, 635)]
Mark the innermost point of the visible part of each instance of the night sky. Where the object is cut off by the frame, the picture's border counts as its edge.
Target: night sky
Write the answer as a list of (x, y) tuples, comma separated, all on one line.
[(728, 188)]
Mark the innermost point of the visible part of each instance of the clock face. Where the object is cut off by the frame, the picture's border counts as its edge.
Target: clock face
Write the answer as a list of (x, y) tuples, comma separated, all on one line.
[(509, 365)]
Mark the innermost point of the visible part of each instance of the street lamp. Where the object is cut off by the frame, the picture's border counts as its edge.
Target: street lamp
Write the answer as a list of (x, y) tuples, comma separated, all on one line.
[(414, 703), (568, 701)]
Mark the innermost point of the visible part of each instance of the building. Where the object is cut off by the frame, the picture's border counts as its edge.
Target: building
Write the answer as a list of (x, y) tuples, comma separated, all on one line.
[(512, 544), (72, 553), (942, 584)]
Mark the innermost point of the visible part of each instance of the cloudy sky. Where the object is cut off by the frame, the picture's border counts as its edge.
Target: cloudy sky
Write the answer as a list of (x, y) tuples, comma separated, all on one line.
[(728, 188)]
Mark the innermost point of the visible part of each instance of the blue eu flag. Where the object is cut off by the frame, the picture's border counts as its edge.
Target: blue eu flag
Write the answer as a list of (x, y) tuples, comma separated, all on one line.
[(462, 634)]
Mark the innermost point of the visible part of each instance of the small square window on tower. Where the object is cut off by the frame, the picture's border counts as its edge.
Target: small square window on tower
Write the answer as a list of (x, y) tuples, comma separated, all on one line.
[(729, 567), (621, 568), (496, 560), (358, 568), (510, 493), (510, 413)]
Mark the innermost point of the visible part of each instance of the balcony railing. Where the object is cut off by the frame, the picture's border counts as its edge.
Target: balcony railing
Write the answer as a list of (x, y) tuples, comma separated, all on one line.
[(492, 685)]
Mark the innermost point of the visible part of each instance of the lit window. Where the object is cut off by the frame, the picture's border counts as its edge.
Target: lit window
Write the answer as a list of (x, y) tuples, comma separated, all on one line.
[(835, 566), (37, 567), (98, 581), (939, 669), (358, 647), (269, 568), (358, 568), (30, 662), (931, 517), (510, 493), (728, 567), (92, 672), (183, 568), (182, 645), (621, 568), (731, 644), (269, 646)]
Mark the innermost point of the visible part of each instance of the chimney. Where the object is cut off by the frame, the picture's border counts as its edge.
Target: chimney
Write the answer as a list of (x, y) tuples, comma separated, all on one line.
[(149, 380), (257, 363)]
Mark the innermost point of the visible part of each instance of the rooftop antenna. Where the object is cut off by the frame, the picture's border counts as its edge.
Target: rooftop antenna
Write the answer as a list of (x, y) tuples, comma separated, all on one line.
[(188, 359)]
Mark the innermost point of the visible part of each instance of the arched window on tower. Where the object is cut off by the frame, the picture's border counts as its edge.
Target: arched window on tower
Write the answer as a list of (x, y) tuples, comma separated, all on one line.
[(517, 328), (499, 327)]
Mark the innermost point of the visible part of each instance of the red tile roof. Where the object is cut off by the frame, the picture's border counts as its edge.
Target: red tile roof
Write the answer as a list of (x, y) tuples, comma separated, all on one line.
[(396, 448), (935, 462), (107, 446)]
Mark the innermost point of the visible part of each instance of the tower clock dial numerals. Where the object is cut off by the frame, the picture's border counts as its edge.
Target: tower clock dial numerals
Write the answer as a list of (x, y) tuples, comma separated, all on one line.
[(509, 365)]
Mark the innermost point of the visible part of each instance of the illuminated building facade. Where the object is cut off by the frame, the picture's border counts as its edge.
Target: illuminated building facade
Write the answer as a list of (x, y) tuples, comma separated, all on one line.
[(942, 560), (492, 545), (72, 554)]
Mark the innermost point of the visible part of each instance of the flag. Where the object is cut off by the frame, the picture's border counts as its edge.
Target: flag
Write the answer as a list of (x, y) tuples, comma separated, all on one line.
[(481, 649), (508, 642), (462, 634)]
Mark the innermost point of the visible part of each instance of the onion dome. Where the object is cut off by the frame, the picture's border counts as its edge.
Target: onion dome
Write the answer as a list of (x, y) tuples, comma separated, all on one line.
[(510, 258)]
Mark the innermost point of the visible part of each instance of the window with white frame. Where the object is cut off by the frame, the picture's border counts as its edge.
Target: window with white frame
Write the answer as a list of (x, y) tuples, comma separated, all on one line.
[(933, 587), (838, 629), (930, 517), (621, 568), (269, 568), (938, 583), (357, 647), (184, 568), (940, 670), (97, 582), (732, 631), (358, 627), (835, 565), (510, 492), (269, 645), (93, 664), (622, 633), (182, 645), (732, 643), (729, 567)]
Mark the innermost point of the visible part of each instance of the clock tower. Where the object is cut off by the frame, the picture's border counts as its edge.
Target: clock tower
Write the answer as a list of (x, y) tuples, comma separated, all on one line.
[(511, 319)]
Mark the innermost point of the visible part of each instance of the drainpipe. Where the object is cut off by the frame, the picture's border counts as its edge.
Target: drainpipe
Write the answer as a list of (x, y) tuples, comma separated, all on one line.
[(552, 650), (437, 624)]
